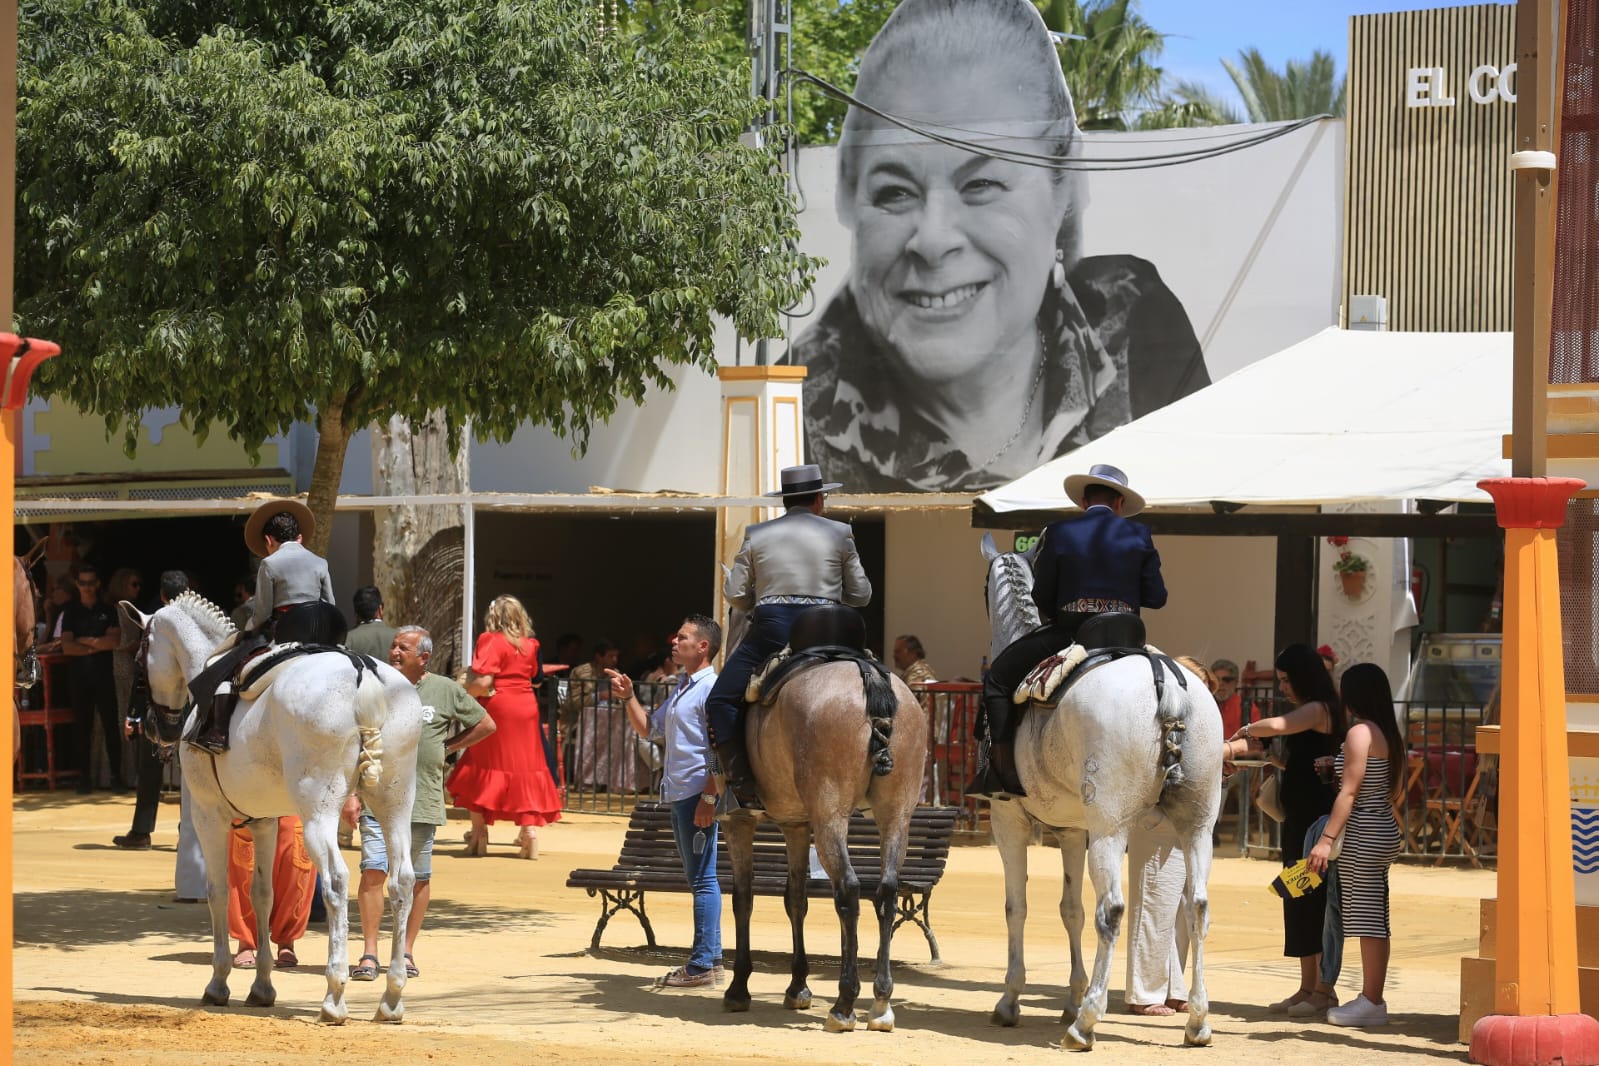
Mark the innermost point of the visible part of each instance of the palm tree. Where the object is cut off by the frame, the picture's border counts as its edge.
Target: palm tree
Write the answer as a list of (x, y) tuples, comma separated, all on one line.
[(1108, 56), (1301, 90)]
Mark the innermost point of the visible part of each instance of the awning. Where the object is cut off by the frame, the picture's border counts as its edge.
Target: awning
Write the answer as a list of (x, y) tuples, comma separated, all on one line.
[(1342, 417)]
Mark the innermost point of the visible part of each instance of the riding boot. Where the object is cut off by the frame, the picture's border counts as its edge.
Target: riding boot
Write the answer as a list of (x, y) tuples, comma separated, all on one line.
[(998, 778), (213, 734), (736, 768)]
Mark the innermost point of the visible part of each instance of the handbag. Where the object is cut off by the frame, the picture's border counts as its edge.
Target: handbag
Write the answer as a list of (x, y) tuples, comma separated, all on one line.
[(1269, 798)]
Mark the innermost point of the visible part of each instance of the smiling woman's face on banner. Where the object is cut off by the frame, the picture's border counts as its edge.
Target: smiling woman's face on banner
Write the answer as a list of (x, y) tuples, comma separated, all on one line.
[(951, 249)]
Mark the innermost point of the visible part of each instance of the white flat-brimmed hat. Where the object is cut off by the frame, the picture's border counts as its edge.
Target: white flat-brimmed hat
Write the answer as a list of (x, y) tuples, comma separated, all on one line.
[(1110, 477), (254, 529), (799, 480)]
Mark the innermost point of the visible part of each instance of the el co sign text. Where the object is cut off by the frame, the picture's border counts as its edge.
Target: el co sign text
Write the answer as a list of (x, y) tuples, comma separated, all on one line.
[(1429, 86)]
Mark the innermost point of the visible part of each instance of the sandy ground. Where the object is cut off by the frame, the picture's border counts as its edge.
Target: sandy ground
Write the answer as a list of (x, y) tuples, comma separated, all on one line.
[(109, 970)]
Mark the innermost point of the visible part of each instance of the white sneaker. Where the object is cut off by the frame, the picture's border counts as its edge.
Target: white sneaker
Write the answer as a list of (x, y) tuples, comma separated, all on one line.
[(1360, 1013)]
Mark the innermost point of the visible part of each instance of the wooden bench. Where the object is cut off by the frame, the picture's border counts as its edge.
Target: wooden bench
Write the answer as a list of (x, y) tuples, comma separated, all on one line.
[(650, 863)]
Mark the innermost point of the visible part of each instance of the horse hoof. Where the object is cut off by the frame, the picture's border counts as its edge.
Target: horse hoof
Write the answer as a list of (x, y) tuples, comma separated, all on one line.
[(1006, 1014), (1197, 1039), (393, 1015), (262, 997), (1077, 1040), (735, 1004), (881, 1023), (215, 998), (329, 1017), (839, 1023), (801, 1001)]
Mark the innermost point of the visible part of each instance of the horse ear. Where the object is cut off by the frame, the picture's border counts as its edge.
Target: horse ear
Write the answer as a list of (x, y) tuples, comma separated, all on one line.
[(133, 614), (990, 549)]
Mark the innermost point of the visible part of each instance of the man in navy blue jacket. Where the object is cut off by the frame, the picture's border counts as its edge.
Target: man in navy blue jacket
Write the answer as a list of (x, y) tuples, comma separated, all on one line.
[(1085, 565)]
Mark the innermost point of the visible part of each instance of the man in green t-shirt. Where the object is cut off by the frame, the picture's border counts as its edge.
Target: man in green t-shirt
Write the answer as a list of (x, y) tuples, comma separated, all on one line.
[(451, 721)]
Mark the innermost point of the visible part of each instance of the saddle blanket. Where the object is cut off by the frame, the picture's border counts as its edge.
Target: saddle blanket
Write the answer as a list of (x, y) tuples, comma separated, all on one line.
[(1041, 684)]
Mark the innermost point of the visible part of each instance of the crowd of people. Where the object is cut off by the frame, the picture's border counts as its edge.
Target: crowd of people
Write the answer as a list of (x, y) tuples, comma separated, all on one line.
[(1340, 748)]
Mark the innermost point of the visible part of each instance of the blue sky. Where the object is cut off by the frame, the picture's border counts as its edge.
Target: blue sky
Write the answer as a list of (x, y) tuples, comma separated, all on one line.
[(1200, 32)]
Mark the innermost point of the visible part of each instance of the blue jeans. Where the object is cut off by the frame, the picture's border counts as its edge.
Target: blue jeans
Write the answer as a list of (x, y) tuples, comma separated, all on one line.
[(700, 869), (768, 632), (1332, 930)]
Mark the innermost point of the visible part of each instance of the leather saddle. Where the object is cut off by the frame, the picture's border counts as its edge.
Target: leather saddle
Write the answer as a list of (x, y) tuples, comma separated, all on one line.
[(1102, 639), (826, 633)]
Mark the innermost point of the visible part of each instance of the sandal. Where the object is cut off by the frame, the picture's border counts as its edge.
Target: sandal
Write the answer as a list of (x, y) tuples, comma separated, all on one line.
[(1150, 1010), (244, 960), (287, 958), (410, 966), (1313, 1004), (364, 970)]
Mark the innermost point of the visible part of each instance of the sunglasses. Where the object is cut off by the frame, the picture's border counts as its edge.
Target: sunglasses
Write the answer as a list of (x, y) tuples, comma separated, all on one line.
[(1225, 679), (88, 584)]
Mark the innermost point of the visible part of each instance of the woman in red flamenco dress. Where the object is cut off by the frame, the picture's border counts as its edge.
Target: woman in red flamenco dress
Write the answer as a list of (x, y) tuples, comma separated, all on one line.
[(505, 777)]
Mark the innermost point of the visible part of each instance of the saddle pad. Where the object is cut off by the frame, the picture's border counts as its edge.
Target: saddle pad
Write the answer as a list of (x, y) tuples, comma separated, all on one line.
[(752, 689), (1047, 677)]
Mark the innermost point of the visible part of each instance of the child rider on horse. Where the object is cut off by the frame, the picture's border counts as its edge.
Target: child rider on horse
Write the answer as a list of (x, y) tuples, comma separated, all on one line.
[(1099, 561), (293, 604)]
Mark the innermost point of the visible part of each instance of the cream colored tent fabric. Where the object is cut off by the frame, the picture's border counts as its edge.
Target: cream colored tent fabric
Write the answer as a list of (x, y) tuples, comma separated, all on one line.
[(1341, 417)]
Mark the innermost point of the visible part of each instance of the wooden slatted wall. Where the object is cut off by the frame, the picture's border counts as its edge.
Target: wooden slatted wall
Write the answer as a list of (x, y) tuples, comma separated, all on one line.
[(1428, 215)]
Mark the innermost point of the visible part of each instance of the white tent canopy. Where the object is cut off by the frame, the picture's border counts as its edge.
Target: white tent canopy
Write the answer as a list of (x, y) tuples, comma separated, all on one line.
[(1340, 417)]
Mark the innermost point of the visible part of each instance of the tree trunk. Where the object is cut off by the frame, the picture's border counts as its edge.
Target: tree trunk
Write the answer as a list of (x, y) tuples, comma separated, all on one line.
[(332, 442), (417, 462)]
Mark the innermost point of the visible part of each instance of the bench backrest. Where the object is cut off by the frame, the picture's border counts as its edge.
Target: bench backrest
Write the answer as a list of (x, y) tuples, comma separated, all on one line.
[(649, 844)]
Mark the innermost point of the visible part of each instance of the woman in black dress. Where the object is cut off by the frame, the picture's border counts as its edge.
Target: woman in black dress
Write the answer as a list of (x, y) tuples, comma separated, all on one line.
[(1314, 728)]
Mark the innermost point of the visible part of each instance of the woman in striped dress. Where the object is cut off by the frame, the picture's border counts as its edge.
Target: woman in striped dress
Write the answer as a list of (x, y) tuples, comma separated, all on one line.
[(1370, 768)]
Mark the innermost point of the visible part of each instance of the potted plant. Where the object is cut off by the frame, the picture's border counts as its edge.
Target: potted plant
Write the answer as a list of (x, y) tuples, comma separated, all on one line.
[(1351, 568)]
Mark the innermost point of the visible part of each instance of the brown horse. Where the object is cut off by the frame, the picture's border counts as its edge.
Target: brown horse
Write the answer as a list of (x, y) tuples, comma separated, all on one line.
[(813, 757)]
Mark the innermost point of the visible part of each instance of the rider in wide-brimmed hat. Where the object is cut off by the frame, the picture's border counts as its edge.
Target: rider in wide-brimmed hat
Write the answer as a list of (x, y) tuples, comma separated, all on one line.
[(1086, 565), (785, 567), (293, 603)]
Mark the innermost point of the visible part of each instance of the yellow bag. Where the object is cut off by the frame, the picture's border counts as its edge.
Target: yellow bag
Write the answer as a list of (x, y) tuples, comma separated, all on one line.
[(1295, 881)]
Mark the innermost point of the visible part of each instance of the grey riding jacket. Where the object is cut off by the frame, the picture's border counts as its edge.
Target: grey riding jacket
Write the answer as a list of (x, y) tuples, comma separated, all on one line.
[(798, 558), (292, 574)]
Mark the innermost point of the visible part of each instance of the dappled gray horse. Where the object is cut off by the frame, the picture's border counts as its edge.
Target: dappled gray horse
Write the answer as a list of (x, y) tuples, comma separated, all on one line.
[(302, 741), (813, 759), (1091, 764)]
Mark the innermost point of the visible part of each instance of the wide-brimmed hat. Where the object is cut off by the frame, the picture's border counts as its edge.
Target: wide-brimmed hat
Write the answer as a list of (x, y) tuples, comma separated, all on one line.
[(1110, 477), (255, 538), (800, 480)]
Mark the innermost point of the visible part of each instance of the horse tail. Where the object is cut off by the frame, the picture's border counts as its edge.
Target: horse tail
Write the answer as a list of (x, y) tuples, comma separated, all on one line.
[(881, 706), (371, 711)]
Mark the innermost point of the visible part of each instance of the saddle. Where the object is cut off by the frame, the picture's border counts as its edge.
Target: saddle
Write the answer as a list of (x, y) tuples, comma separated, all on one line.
[(1102, 639), (257, 675), (832, 634)]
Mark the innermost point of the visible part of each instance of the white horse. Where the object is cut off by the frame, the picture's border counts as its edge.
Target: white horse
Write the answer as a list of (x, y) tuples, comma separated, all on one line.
[(1091, 765), (297, 748)]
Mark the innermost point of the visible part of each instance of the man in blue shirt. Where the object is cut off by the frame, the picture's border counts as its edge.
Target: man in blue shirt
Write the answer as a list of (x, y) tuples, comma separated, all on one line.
[(1086, 565), (679, 725)]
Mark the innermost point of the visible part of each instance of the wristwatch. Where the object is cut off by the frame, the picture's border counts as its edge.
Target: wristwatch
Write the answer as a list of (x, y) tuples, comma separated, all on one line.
[(708, 797)]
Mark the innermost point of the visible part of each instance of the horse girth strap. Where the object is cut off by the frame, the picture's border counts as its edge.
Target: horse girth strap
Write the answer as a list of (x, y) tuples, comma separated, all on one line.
[(259, 667)]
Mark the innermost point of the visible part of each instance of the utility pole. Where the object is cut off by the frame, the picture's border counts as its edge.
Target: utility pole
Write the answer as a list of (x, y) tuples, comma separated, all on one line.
[(771, 49)]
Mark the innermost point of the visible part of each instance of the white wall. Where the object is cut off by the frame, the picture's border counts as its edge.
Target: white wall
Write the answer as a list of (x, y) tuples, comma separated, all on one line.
[(1221, 606), (1222, 601)]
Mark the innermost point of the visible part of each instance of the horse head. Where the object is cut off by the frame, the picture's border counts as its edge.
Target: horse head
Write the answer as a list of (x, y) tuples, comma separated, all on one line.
[(1008, 594), (174, 644)]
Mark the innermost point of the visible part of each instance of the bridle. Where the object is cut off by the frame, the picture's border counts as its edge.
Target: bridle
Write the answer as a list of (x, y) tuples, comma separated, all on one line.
[(162, 725)]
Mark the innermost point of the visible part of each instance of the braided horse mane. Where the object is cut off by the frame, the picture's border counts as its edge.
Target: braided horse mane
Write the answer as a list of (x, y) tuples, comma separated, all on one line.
[(198, 607), (1008, 594)]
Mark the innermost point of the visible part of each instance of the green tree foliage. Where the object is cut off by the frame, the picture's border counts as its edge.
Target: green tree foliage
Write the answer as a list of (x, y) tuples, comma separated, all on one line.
[(1300, 90), (829, 37), (336, 211), (1111, 69)]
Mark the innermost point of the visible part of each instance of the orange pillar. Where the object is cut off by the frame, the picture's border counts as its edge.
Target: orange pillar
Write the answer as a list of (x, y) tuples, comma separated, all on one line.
[(1537, 1017)]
